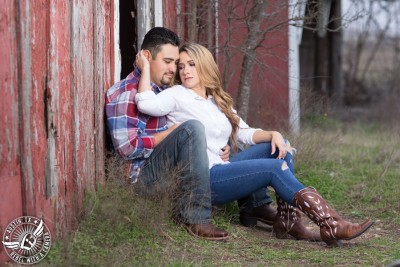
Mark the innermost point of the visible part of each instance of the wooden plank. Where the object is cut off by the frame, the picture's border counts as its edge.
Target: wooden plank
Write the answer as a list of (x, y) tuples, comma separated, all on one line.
[(59, 167), (10, 169), (82, 44), (10, 175), (103, 24), (33, 76)]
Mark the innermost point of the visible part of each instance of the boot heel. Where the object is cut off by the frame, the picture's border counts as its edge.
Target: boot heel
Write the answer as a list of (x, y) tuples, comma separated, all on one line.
[(281, 233), (248, 221)]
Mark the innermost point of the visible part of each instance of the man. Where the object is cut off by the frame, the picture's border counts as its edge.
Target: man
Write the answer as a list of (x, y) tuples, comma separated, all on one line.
[(152, 148)]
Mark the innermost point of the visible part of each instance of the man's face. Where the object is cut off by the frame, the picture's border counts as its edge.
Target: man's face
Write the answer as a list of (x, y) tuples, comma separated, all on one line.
[(163, 65)]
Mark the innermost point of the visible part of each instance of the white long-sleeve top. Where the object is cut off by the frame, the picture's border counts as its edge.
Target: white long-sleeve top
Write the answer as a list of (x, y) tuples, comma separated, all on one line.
[(181, 104)]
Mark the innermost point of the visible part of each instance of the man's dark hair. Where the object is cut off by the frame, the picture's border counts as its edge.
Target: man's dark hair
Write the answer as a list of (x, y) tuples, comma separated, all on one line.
[(157, 37)]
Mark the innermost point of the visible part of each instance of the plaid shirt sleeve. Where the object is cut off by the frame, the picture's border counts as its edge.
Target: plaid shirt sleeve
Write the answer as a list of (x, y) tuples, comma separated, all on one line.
[(127, 126)]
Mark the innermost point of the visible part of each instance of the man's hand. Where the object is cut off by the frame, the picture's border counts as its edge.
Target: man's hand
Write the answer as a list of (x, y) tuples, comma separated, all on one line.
[(158, 137), (225, 152)]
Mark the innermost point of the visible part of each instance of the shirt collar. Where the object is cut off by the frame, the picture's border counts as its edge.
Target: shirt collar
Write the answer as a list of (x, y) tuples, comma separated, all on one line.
[(196, 96)]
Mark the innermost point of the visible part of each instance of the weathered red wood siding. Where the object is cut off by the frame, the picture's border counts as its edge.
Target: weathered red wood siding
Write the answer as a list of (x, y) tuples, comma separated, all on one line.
[(56, 65), (269, 100), (170, 20), (10, 164)]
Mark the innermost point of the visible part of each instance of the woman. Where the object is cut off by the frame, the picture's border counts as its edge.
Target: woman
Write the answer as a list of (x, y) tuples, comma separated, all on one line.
[(200, 96)]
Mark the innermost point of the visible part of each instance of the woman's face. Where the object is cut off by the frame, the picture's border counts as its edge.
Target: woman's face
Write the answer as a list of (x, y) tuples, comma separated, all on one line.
[(188, 72)]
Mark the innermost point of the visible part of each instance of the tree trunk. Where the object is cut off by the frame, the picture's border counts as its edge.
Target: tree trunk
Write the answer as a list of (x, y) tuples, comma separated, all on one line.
[(246, 76)]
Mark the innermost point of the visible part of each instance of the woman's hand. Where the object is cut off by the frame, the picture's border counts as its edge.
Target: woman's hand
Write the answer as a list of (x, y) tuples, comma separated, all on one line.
[(141, 61), (277, 141)]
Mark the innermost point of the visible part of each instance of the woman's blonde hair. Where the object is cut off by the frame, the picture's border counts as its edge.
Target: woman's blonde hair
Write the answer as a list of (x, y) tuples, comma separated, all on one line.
[(210, 78)]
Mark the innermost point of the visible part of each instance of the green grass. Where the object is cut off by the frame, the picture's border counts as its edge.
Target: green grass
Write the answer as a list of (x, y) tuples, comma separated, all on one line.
[(356, 168)]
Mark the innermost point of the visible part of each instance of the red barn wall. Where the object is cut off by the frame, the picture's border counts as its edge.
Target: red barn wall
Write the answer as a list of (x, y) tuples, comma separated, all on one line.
[(269, 101), (170, 16), (10, 164), (56, 65)]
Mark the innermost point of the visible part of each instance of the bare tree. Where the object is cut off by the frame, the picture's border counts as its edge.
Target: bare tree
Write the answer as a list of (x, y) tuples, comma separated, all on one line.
[(251, 15), (255, 17), (368, 44), (257, 20)]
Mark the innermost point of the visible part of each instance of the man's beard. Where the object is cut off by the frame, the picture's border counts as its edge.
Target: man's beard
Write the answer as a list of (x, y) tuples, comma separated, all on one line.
[(164, 82), (167, 81)]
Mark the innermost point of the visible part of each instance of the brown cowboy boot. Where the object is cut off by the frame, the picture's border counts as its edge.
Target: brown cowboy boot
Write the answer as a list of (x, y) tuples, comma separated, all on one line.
[(203, 230), (266, 213), (207, 231), (332, 227), (288, 222)]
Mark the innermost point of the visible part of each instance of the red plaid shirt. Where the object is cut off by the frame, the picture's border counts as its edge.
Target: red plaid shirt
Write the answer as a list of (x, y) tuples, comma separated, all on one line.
[(131, 131)]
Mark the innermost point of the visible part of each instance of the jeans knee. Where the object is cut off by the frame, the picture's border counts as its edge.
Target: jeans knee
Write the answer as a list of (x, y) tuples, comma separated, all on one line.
[(195, 129), (194, 126)]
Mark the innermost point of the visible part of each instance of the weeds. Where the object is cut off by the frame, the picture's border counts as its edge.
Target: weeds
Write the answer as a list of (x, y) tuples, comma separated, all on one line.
[(356, 168)]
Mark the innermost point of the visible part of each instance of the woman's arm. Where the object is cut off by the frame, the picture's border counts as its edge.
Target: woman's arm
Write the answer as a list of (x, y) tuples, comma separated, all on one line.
[(143, 64), (276, 140), (147, 101), (252, 136)]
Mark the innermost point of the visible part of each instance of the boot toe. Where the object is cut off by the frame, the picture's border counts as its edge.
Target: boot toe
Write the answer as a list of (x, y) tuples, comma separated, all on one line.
[(207, 231), (363, 227)]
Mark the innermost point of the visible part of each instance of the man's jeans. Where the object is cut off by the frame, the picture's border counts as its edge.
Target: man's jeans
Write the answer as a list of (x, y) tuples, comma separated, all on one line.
[(241, 178), (259, 151), (183, 151)]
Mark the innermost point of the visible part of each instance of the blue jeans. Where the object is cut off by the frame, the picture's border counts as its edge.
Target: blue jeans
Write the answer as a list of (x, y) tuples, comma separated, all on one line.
[(243, 177), (259, 151), (185, 150)]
